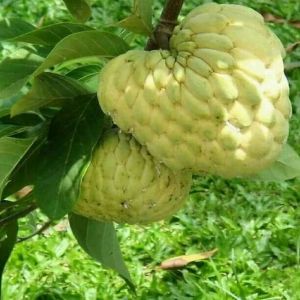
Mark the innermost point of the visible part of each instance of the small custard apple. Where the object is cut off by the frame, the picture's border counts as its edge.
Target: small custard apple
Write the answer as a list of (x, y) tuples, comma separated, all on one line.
[(125, 184), (217, 102)]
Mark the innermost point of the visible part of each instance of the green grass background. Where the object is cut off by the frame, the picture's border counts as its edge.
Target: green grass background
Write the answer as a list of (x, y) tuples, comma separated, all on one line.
[(255, 225)]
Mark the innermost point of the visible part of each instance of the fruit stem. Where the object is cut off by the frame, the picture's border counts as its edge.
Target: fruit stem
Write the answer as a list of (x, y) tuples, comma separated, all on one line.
[(167, 22)]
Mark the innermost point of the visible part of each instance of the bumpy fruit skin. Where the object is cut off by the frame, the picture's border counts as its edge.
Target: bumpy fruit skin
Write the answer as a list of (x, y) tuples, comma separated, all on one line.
[(217, 102), (125, 184)]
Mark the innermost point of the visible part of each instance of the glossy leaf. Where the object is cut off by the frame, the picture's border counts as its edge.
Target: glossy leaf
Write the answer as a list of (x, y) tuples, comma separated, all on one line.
[(8, 238), (99, 240), (14, 73), (48, 89), (287, 166), (73, 134), (50, 35), (10, 28), (79, 9), (11, 152), (85, 44)]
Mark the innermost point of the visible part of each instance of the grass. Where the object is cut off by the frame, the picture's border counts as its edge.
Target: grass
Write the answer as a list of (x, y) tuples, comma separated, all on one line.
[(255, 225)]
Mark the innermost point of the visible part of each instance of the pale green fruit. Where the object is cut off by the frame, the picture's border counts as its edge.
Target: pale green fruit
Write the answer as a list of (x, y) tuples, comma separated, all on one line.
[(125, 184), (217, 102)]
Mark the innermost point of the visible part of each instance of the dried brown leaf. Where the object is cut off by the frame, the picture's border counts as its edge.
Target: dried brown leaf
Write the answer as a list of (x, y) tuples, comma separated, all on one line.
[(275, 19), (183, 260), (292, 47)]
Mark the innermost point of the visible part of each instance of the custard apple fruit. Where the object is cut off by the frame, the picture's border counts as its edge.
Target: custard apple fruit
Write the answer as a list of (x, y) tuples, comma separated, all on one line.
[(217, 102), (125, 184)]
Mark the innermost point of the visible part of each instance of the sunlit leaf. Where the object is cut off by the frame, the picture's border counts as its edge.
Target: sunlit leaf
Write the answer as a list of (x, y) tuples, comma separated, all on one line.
[(85, 44), (51, 34)]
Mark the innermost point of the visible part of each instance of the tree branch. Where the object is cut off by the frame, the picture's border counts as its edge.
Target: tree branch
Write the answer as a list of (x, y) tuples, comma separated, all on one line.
[(39, 231), (167, 22), (13, 210), (18, 214)]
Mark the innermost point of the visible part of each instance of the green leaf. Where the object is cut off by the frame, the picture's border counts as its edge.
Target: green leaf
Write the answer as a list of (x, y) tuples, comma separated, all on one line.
[(48, 89), (14, 73), (50, 35), (28, 119), (140, 21), (10, 129), (287, 166), (42, 51), (143, 9), (11, 152), (10, 28), (88, 75), (73, 134), (79, 9), (25, 172), (85, 44), (84, 72), (99, 240), (6, 105), (8, 238), (134, 24), (92, 82)]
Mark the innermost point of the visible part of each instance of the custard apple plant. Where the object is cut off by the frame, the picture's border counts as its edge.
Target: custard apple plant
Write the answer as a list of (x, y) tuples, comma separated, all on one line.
[(109, 124)]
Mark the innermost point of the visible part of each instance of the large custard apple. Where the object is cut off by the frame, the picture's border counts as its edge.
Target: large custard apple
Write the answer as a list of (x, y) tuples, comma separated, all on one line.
[(125, 184), (216, 102)]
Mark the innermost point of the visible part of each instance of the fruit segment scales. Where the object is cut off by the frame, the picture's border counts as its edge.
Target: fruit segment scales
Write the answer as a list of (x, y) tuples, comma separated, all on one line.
[(217, 102), (125, 184)]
